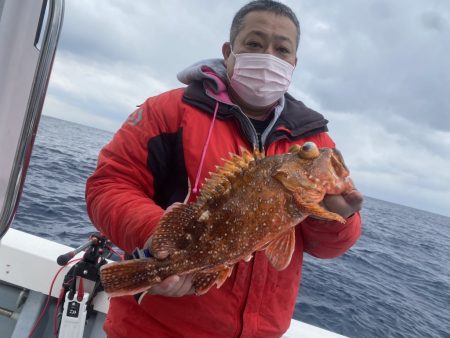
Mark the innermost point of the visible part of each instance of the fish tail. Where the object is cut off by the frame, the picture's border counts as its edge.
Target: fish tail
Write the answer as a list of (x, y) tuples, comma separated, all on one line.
[(129, 277)]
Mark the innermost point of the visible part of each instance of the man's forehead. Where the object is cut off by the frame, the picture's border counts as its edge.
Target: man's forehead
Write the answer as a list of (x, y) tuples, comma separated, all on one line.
[(263, 23)]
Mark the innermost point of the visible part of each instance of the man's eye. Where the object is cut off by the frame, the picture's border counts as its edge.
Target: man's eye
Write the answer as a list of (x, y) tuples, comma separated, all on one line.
[(254, 44), (283, 50)]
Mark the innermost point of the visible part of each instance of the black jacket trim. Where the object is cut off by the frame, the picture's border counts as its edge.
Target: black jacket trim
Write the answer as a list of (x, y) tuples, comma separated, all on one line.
[(166, 163), (296, 120)]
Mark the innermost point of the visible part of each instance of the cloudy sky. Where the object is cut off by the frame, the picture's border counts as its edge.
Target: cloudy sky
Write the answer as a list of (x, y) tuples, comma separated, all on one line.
[(378, 70)]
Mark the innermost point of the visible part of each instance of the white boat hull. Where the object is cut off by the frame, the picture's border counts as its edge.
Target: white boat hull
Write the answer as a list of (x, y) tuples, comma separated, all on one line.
[(28, 266)]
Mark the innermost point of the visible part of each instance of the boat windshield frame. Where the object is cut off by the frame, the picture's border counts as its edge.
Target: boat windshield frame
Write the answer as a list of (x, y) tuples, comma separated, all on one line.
[(26, 59)]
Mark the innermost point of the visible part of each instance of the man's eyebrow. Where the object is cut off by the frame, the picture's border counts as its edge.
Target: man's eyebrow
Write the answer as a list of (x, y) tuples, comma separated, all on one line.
[(264, 35)]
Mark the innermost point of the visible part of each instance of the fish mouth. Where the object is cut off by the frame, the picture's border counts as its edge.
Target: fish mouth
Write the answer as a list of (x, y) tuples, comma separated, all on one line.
[(338, 164), (338, 180)]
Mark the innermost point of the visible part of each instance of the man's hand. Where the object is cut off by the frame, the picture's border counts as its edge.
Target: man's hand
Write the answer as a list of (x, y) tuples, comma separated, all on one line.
[(174, 286), (345, 204)]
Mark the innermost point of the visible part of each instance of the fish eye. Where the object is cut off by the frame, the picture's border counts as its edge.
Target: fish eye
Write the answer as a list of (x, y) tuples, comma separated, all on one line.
[(309, 150)]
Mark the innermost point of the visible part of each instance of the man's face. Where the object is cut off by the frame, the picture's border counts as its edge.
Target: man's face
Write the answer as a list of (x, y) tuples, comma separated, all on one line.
[(263, 32)]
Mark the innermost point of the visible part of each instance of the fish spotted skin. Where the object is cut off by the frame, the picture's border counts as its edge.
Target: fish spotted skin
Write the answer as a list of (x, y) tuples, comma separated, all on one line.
[(251, 203)]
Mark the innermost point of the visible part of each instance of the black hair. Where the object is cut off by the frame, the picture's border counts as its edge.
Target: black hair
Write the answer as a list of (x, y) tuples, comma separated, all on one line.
[(262, 5)]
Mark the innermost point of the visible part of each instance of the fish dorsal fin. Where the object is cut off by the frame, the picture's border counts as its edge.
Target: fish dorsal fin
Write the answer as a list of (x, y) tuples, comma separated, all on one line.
[(258, 154), (279, 251), (219, 183), (171, 234)]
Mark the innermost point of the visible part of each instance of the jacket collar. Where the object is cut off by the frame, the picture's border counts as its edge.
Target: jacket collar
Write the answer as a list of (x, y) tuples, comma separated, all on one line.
[(206, 82)]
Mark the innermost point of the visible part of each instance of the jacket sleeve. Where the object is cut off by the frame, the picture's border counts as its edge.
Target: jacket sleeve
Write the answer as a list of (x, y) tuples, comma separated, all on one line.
[(119, 194), (329, 239)]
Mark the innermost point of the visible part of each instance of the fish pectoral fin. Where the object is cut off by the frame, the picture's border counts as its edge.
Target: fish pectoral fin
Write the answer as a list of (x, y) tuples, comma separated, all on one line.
[(279, 251), (204, 280)]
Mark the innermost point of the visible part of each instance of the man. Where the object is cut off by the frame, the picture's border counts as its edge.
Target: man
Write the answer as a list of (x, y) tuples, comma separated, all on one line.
[(166, 149)]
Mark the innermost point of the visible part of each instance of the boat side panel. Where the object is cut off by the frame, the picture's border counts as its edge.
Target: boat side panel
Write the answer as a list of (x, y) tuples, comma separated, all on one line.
[(30, 261)]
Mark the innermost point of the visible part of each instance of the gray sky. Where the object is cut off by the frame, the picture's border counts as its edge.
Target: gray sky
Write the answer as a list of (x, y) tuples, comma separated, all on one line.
[(378, 70)]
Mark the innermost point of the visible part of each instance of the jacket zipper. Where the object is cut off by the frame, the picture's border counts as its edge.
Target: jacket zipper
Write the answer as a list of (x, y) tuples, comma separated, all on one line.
[(256, 144)]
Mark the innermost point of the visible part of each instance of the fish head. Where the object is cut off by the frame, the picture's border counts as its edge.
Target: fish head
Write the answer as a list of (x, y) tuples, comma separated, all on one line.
[(326, 168)]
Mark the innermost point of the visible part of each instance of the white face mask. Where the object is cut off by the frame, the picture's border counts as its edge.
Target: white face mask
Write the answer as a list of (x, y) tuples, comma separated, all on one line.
[(260, 79)]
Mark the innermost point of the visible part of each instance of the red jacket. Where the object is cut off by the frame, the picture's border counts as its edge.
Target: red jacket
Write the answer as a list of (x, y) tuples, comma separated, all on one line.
[(151, 163)]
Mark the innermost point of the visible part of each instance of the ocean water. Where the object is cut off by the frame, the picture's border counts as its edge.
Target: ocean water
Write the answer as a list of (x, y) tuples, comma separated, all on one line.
[(395, 282)]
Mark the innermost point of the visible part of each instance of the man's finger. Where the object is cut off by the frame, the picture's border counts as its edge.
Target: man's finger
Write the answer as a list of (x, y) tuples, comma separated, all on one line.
[(185, 287), (161, 254), (339, 205), (355, 199), (165, 286)]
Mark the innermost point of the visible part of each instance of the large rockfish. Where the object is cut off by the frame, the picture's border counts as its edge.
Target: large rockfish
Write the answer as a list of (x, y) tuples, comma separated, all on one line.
[(250, 203)]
